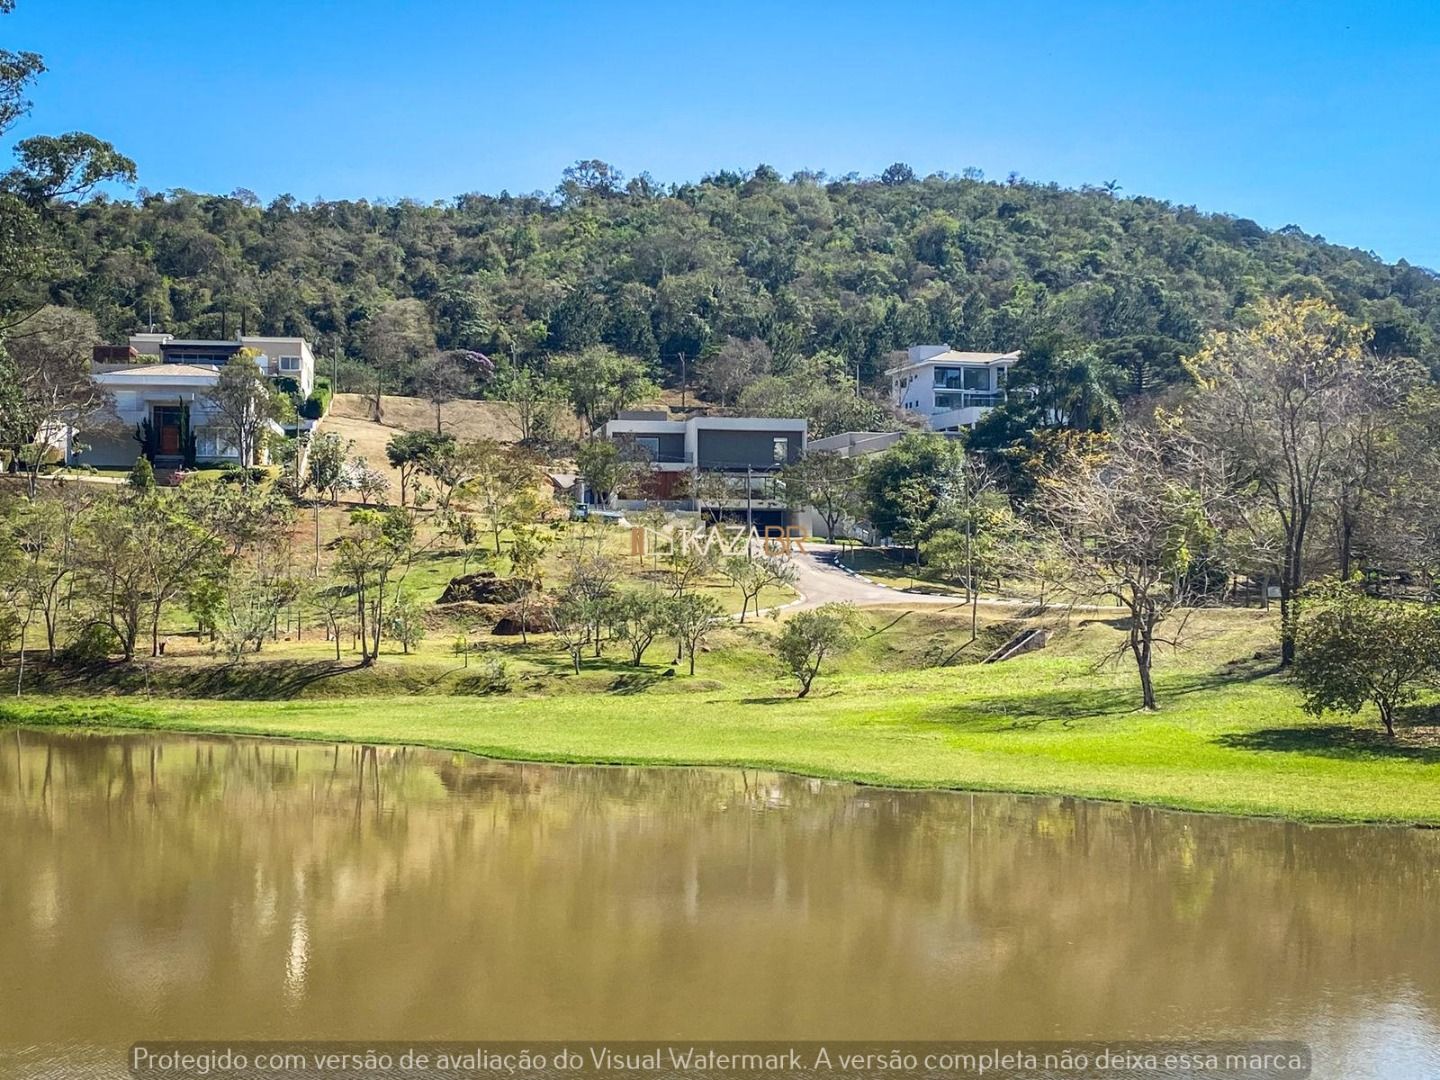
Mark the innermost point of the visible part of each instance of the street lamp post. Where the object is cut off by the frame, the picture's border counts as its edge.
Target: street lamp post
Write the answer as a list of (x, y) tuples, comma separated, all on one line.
[(749, 514)]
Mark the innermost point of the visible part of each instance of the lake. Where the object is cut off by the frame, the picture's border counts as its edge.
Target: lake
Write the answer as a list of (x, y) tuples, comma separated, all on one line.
[(171, 887)]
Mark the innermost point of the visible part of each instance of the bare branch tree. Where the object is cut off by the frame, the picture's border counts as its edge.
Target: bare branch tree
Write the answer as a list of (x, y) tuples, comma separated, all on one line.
[(1135, 525)]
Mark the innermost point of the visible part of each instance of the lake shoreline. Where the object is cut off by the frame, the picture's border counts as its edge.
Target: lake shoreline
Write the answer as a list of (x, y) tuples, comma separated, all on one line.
[(123, 718)]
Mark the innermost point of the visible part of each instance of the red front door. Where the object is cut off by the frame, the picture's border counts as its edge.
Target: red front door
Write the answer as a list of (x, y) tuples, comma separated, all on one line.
[(167, 425)]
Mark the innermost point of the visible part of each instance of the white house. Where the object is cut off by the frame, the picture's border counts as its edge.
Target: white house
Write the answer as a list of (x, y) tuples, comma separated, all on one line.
[(951, 390), (157, 409), (287, 357)]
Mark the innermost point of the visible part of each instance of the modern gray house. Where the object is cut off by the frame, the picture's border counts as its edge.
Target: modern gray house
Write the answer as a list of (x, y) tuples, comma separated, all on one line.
[(720, 465)]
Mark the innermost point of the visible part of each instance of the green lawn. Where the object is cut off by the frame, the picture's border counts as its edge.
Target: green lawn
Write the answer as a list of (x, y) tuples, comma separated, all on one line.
[(1230, 736)]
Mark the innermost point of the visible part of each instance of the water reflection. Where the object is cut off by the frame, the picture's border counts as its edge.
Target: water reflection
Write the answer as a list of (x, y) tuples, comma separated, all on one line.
[(157, 886)]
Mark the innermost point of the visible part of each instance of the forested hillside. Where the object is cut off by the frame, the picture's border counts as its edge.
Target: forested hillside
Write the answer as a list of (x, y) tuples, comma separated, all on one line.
[(855, 267)]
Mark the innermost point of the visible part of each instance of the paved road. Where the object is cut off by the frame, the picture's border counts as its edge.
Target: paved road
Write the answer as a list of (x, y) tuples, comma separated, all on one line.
[(821, 581)]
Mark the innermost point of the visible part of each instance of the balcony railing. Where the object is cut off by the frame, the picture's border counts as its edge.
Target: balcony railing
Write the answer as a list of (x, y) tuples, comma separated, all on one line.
[(664, 457), (970, 399)]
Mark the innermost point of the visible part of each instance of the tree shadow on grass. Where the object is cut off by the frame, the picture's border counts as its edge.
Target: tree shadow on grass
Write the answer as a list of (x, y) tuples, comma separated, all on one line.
[(636, 680), (1333, 741), (253, 680), (271, 681), (1068, 704)]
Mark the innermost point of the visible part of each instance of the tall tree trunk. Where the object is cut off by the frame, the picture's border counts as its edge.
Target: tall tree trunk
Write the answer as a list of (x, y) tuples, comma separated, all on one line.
[(1347, 536), (1147, 686), (1287, 623), (20, 674)]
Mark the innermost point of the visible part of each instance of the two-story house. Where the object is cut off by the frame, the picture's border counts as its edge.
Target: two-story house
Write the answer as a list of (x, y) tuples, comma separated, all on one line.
[(159, 388), (279, 357), (721, 465), (951, 390)]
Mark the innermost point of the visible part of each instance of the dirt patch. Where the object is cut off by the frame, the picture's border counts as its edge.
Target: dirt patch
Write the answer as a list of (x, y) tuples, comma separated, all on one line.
[(351, 417)]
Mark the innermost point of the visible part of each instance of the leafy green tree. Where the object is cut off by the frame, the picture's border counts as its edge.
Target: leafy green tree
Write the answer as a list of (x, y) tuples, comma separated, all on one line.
[(505, 487), (752, 575), (452, 465), (573, 618), (592, 582), (245, 404), (600, 382), (535, 397), (405, 621), (809, 637), (137, 553), (606, 468), (325, 464), (691, 619), (827, 481), (48, 531), (897, 174), (411, 451), (909, 489), (638, 618), (1353, 649), (48, 170), (1281, 395), (830, 401), (527, 555), (367, 556), (251, 598)]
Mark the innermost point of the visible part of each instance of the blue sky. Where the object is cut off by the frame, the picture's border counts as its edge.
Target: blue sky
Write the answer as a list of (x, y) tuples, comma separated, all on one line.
[(1321, 114)]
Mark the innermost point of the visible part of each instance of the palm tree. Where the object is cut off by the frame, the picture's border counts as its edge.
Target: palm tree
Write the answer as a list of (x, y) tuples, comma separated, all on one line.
[(1082, 395)]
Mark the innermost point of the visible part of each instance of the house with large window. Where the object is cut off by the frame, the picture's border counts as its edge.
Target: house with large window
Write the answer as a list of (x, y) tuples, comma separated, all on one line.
[(723, 466), (159, 389), (278, 357), (160, 410), (951, 390)]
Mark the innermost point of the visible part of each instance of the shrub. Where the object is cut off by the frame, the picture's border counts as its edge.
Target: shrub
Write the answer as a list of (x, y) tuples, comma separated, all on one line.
[(288, 386), (493, 676), (231, 473), (142, 474), (1352, 648), (318, 403), (93, 643)]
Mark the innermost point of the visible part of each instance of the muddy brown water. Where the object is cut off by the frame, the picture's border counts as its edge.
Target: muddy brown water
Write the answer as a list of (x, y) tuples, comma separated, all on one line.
[(174, 887)]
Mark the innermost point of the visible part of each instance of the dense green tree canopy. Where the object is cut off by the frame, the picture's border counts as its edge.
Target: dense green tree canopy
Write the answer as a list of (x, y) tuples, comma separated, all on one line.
[(857, 268)]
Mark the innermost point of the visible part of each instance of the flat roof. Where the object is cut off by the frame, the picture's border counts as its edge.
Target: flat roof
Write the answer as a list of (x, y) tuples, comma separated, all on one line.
[(954, 357), (161, 372)]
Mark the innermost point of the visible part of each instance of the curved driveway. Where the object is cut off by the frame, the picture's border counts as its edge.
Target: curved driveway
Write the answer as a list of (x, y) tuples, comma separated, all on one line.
[(821, 581)]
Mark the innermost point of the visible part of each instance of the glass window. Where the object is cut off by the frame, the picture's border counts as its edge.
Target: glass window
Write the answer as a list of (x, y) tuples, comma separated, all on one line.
[(649, 445), (782, 449), (209, 444), (976, 378), (289, 363)]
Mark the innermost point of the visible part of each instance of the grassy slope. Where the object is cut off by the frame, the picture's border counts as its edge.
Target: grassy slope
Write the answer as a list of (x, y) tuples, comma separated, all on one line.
[(1229, 738)]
